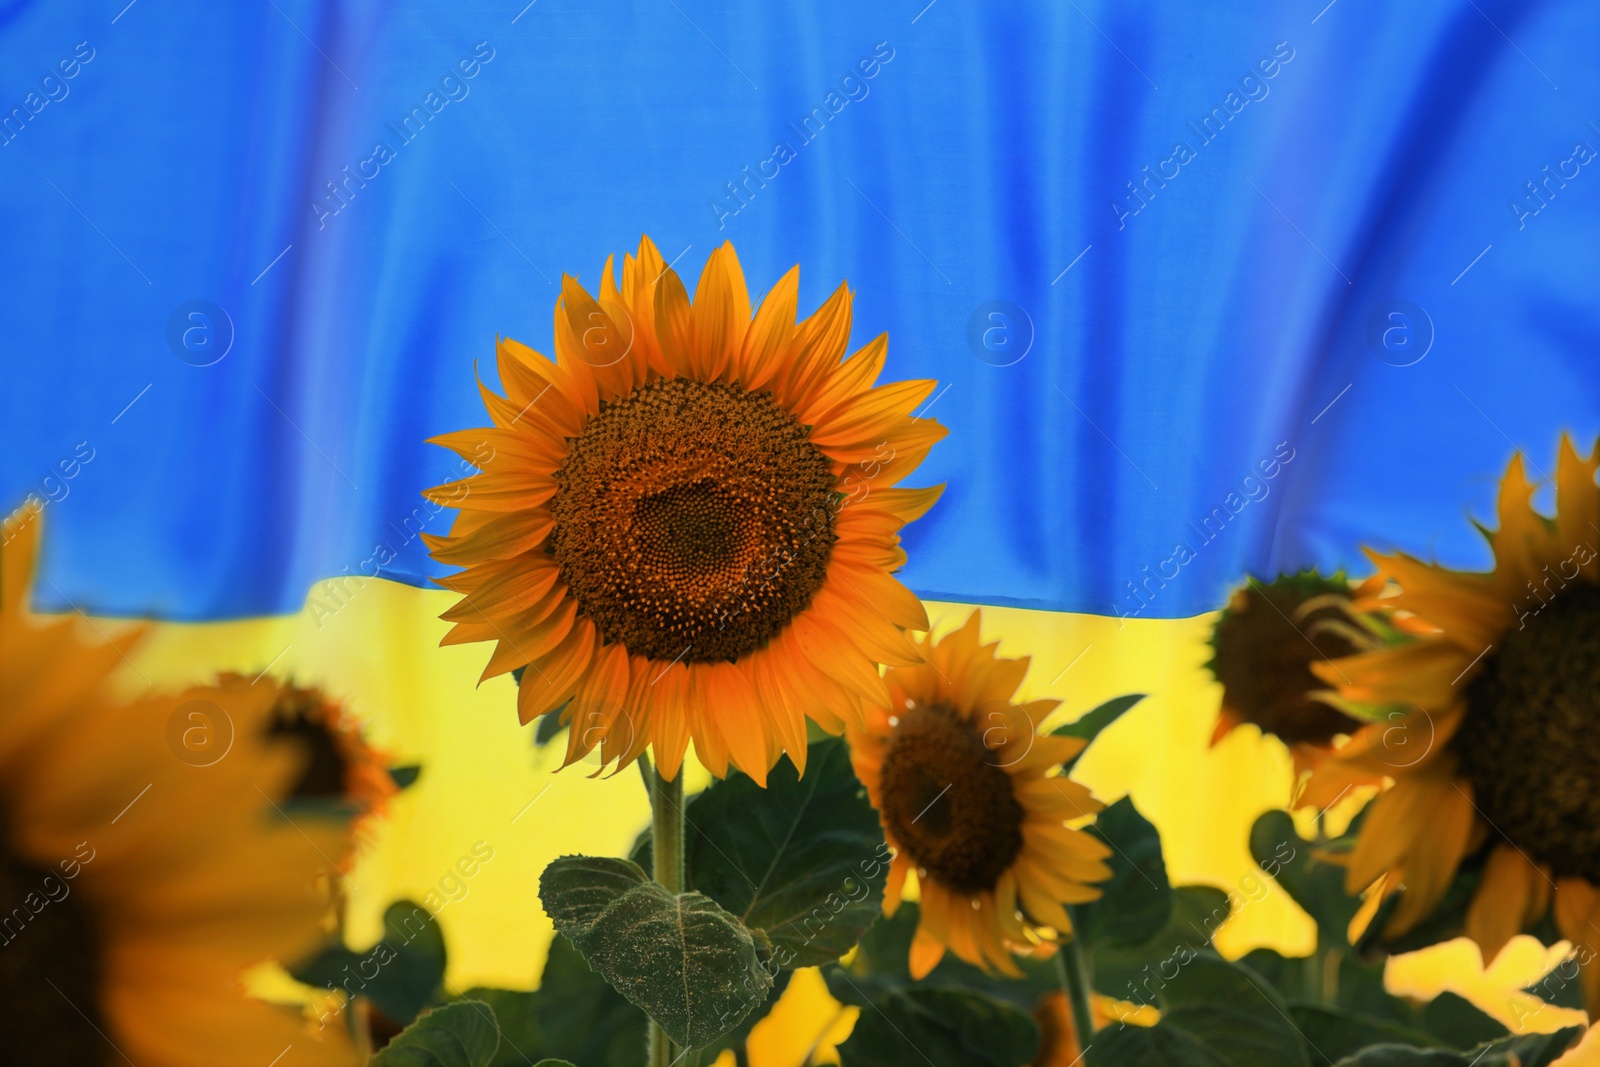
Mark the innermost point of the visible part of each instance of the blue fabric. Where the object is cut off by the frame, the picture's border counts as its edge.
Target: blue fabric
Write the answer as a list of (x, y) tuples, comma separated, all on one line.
[(1334, 160)]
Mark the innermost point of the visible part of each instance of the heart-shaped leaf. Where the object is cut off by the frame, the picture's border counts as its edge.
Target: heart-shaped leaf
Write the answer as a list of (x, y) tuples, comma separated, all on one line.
[(401, 974), (803, 860), (1213, 1013), (1125, 971), (941, 1027), (1137, 900), (462, 1034), (683, 960)]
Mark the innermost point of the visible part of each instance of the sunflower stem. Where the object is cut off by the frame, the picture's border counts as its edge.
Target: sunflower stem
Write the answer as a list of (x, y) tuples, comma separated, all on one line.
[(1072, 965), (666, 859)]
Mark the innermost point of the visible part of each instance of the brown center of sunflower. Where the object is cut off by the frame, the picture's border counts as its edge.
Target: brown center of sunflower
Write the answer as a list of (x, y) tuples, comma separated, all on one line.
[(1527, 742), (50, 968), (946, 801), (299, 717), (1265, 648), (693, 520)]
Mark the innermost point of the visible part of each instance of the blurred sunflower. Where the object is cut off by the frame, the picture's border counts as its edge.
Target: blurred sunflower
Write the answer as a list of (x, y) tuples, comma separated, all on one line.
[(1263, 646), (963, 784), (142, 874), (340, 767), (684, 526), (1502, 697)]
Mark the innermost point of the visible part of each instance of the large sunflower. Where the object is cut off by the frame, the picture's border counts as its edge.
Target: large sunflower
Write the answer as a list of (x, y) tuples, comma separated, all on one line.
[(684, 526), (1487, 726), (964, 785), (143, 867)]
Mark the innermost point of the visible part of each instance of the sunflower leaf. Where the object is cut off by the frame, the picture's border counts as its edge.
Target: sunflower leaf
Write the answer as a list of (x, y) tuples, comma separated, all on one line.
[(1089, 725), (1317, 886), (879, 967), (1334, 1034), (940, 1026), (401, 974), (515, 1014), (1213, 1013), (549, 727), (462, 1034), (404, 777), (582, 1018), (683, 960), (1460, 1023), (1137, 900), (1128, 971), (803, 860), (573, 1015), (1525, 1050)]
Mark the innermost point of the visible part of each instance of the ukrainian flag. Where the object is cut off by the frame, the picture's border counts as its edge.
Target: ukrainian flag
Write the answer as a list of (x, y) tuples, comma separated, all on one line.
[(1208, 293)]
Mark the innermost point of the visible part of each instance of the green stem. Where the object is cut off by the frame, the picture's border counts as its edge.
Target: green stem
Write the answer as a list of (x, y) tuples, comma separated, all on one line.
[(1073, 967), (666, 849)]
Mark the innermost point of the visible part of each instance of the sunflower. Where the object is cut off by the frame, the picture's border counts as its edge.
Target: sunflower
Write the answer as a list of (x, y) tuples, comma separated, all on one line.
[(684, 527), (340, 767), (963, 784), (143, 869), (1486, 725), (1264, 644)]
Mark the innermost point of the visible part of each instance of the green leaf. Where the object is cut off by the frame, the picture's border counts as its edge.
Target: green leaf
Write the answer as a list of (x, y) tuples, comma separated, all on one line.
[(1409, 1056), (1213, 1013), (405, 777), (880, 967), (1526, 1050), (1292, 976), (1090, 723), (1459, 1023), (581, 1017), (1137, 901), (1557, 989), (685, 961), (516, 1014), (940, 1027), (549, 727), (803, 860), (462, 1034), (574, 1015), (1129, 972), (735, 1039), (401, 974), (1316, 886), (1334, 1034)]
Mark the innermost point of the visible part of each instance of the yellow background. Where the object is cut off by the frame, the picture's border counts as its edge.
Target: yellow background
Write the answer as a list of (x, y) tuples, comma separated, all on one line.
[(375, 644)]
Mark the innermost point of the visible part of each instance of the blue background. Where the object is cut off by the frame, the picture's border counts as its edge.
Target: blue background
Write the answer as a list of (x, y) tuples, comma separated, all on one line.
[(987, 155)]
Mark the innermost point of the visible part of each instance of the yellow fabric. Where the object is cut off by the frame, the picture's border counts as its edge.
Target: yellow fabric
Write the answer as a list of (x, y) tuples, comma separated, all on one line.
[(485, 787)]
